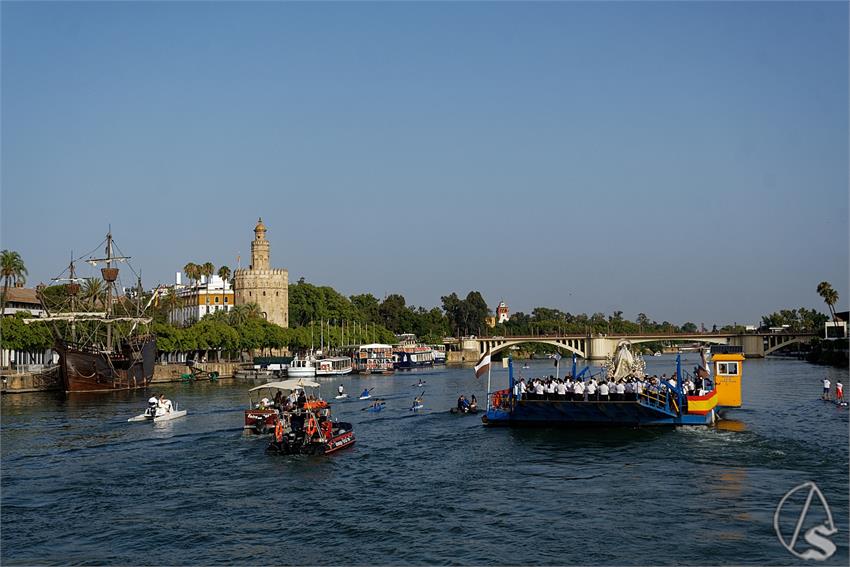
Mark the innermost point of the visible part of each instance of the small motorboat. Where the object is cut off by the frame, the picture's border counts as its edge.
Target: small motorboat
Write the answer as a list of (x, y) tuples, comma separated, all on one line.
[(262, 416), (156, 413), (310, 431)]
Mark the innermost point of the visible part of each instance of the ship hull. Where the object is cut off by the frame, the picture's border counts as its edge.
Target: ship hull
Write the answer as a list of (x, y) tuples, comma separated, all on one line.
[(129, 368)]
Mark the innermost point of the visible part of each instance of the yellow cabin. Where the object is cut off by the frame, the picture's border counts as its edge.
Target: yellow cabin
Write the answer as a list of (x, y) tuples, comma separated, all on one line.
[(727, 378)]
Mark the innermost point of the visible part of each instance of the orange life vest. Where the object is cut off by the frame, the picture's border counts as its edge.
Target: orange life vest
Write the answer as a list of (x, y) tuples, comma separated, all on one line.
[(278, 431)]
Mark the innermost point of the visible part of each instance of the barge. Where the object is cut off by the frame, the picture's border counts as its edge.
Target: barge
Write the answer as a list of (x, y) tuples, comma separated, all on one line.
[(668, 405)]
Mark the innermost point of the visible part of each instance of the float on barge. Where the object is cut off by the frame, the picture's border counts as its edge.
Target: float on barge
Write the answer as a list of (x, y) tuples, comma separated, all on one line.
[(669, 406)]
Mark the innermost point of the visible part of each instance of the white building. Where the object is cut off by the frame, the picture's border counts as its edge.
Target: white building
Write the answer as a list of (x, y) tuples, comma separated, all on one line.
[(502, 312), (199, 299)]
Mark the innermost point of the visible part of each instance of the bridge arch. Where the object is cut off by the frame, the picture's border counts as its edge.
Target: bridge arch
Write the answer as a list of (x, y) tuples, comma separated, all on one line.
[(771, 348), (578, 346)]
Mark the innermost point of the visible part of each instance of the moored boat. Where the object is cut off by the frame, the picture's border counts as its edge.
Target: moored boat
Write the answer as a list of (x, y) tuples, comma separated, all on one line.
[(373, 359), (104, 343), (301, 368), (408, 354), (334, 366)]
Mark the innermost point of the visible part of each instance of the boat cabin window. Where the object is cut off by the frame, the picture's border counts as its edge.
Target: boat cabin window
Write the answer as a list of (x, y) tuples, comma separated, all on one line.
[(727, 368)]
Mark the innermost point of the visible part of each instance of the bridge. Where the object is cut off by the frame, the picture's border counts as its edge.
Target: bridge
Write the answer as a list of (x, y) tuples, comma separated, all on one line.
[(600, 346)]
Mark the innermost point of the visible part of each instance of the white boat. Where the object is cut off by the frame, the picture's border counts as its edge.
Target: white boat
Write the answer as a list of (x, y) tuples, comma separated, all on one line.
[(301, 368), (335, 366), (157, 414)]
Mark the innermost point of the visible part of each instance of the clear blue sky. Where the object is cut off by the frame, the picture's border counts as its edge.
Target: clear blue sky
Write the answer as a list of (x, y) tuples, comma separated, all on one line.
[(686, 160)]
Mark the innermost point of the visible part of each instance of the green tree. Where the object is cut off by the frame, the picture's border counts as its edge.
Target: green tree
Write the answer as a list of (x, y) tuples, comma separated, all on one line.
[(93, 292), (13, 271), (224, 274)]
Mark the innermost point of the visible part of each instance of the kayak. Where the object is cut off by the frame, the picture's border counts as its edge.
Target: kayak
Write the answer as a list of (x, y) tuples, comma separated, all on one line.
[(341, 396), (365, 397), (375, 409), (417, 407)]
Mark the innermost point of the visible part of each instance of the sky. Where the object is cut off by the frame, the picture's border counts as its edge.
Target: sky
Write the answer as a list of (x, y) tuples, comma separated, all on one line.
[(686, 160)]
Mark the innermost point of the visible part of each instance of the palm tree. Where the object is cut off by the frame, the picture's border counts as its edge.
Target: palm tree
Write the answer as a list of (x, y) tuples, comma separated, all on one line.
[(224, 274), (93, 291), (207, 269), (13, 270), (191, 271), (830, 297)]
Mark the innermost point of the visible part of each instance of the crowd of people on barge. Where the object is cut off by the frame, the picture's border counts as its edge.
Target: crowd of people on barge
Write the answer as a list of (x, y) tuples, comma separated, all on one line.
[(603, 390)]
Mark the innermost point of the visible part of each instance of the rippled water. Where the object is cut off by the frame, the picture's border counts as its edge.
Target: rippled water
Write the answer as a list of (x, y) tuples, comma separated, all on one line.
[(81, 485)]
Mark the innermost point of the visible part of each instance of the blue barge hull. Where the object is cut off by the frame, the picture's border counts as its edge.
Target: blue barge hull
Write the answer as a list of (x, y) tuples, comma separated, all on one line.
[(567, 413)]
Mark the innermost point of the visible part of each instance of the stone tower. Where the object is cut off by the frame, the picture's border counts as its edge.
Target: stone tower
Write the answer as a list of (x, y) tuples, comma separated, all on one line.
[(262, 284)]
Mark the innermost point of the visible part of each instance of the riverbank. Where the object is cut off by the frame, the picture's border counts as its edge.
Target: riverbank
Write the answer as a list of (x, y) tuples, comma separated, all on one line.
[(50, 380), (832, 352)]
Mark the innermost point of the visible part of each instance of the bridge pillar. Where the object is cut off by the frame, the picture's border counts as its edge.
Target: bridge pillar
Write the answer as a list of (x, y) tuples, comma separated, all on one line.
[(753, 345), (599, 348)]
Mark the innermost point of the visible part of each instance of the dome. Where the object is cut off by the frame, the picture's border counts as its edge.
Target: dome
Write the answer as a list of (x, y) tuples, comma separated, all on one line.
[(260, 226)]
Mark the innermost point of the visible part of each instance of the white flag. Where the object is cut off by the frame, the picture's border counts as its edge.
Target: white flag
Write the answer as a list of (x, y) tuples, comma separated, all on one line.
[(483, 365)]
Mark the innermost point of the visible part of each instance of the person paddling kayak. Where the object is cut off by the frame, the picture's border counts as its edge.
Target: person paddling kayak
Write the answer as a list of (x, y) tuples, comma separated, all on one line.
[(341, 390)]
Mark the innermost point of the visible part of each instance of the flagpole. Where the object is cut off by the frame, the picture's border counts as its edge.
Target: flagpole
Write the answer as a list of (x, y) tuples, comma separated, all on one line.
[(489, 368)]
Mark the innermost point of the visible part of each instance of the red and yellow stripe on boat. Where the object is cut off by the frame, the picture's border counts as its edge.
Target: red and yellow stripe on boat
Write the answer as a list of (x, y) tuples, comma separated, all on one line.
[(701, 405)]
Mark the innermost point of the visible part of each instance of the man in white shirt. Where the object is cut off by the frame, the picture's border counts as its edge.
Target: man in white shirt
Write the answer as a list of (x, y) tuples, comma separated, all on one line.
[(522, 388), (578, 391), (603, 392), (621, 391), (826, 386), (538, 390), (591, 390), (562, 390)]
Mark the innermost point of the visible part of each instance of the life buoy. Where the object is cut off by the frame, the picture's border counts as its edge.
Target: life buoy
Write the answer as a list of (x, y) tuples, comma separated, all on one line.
[(278, 432), (312, 426)]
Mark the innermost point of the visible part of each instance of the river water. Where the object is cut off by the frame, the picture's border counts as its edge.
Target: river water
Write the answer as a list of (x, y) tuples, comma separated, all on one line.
[(80, 485)]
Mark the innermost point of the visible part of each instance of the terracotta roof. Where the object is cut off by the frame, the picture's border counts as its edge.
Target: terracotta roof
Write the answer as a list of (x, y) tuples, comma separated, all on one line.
[(22, 295)]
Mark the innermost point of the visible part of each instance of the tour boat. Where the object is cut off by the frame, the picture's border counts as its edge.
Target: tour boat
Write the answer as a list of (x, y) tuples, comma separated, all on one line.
[(301, 368), (439, 353), (408, 357), (156, 414), (335, 366), (665, 404), (373, 359)]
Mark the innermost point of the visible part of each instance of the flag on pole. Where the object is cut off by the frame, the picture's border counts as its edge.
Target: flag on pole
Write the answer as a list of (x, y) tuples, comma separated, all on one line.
[(483, 365), (557, 357)]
